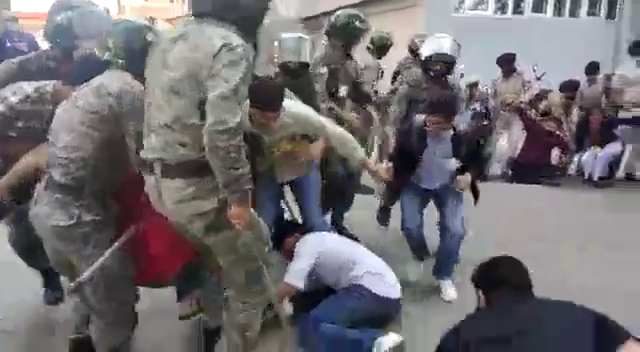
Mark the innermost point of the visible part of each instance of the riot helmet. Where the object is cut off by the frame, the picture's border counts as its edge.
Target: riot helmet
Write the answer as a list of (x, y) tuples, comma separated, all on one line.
[(379, 44), (439, 54), (293, 49), (415, 42), (347, 27), (245, 15), (128, 45), (72, 24)]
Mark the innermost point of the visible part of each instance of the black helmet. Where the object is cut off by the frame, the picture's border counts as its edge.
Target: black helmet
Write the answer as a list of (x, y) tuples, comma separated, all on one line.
[(74, 23), (379, 44), (245, 15), (347, 26), (128, 45), (415, 42)]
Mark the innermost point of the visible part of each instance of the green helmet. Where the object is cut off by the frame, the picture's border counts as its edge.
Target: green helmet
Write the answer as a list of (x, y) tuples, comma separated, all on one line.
[(379, 44), (74, 23), (128, 45), (348, 26)]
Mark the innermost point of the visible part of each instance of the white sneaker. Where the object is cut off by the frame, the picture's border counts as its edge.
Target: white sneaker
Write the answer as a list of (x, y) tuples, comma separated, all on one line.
[(415, 270), (389, 342), (448, 291)]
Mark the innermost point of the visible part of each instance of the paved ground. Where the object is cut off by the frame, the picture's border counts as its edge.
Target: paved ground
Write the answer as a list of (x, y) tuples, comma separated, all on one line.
[(580, 245)]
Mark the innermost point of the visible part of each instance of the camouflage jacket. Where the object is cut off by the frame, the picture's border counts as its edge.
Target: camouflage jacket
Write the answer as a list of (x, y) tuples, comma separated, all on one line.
[(38, 66), (514, 88), (404, 65), (90, 139), (197, 80)]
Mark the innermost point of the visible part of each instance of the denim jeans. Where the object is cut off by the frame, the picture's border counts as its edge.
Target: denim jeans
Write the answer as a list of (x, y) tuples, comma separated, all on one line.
[(449, 203), (306, 190), (348, 321)]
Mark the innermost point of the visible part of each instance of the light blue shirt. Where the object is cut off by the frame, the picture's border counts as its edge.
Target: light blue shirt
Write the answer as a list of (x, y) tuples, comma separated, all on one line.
[(437, 166)]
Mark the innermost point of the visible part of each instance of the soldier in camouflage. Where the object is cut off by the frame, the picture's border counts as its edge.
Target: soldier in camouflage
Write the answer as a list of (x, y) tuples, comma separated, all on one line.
[(72, 27), (379, 45), (411, 61), (438, 56), (197, 80), (26, 110), (90, 152), (340, 85)]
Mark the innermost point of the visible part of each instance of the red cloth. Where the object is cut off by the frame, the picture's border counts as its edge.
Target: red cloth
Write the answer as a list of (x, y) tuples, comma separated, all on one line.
[(539, 142), (158, 250)]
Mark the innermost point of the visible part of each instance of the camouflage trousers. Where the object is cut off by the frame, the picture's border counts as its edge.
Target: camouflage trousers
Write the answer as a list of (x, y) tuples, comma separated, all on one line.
[(195, 207), (74, 241), (24, 240)]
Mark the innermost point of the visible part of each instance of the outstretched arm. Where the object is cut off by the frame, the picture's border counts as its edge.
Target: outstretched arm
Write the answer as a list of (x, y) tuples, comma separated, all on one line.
[(30, 165)]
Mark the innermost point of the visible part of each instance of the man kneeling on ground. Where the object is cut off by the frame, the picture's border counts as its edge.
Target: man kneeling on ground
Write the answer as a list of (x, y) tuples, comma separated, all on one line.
[(510, 318), (367, 296)]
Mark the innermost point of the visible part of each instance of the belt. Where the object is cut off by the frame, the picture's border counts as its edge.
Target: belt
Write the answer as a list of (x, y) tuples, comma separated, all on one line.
[(181, 170)]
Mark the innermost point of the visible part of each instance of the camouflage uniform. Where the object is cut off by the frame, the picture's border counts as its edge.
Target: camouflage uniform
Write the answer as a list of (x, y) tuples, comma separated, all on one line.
[(26, 111), (193, 135), (340, 84), (625, 94), (411, 61), (74, 213)]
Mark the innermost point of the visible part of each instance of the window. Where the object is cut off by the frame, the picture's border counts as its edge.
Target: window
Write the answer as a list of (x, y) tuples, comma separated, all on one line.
[(495, 7), (518, 7), (594, 8), (575, 7), (559, 8), (612, 9), (539, 6)]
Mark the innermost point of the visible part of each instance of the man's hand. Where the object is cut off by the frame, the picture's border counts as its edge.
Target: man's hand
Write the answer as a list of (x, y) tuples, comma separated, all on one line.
[(239, 215), (385, 170), (5, 192), (285, 291), (462, 182)]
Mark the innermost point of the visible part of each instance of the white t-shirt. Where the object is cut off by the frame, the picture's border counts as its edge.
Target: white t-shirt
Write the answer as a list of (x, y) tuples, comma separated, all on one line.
[(339, 262)]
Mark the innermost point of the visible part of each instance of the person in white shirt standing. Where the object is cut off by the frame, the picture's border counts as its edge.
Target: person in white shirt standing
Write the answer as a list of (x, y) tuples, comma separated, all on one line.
[(367, 297)]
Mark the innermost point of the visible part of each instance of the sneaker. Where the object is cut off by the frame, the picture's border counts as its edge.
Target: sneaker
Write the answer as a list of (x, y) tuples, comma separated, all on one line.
[(53, 293), (389, 342), (383, 216), (448, 291), (415, 270)]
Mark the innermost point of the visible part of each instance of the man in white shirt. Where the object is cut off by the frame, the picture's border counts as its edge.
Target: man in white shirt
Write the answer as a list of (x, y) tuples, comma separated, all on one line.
[(368, 293)]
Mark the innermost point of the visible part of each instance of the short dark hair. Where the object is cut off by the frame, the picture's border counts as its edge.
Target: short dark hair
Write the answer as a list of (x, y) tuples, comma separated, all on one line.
[(502, 273), (570, 86), (592, 68), (266, 93), (441, 102), (283, 230)]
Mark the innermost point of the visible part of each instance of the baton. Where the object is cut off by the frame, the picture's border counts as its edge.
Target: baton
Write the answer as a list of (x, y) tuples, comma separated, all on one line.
[(89, 273)]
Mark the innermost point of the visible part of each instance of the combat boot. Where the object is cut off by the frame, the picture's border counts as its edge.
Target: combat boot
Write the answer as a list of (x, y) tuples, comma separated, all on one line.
[(81, 343), (210, 338), (52, 294)]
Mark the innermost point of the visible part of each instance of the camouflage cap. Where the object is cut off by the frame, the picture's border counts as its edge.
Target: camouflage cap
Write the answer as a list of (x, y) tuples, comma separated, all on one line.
[(76, 23), (379, 44), (348, 26)]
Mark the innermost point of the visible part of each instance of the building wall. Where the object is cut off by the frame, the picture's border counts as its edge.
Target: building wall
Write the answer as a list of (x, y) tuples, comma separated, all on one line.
[(560, 46)]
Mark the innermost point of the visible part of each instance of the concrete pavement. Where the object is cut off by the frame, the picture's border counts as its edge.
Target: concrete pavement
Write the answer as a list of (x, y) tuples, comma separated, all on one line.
[(580, 244)]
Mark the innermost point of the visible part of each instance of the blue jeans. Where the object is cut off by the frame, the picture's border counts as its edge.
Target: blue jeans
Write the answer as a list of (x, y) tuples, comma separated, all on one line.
[(449, 203), (348, 321), (306, 190)]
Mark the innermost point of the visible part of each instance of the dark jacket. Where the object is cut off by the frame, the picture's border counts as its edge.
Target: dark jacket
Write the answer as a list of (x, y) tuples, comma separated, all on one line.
[(606, 133), (15, 43), (534, 325), (411, 142)]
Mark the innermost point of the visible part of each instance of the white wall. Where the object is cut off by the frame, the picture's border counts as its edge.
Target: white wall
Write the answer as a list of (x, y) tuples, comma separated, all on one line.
[(560, 46)]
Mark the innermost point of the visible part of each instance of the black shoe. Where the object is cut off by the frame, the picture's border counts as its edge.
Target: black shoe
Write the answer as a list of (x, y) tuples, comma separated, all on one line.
[(53, 293), (81, 343), (210, 338), (603, 184), (630, 176), (383, 216), (344, 231)]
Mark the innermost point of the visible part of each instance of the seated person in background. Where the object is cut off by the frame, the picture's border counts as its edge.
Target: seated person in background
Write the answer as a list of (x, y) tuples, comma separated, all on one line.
[(533, 165), (367, 297), (510, 318), (596, 137)]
